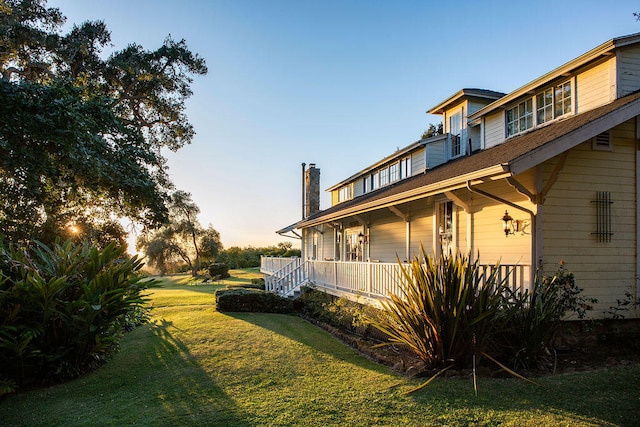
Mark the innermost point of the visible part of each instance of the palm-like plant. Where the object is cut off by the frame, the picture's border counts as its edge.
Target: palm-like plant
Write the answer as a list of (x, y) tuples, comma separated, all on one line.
[(448, 311)]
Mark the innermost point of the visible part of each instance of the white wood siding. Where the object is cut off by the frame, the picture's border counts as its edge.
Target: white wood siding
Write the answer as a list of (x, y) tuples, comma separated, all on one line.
[(418, 161), (436, 153), (386, 236), (475, 137), (472, 106), (494, 131), (421, 227), (628, 70), (604, 269), (358, 187), (594, 86), (489, 239)]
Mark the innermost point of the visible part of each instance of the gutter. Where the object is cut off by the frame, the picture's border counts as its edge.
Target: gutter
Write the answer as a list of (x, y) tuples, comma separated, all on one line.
[(410, 195)]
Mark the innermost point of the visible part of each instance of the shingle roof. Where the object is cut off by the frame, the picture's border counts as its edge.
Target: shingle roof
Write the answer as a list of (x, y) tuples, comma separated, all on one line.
[(498, 158)]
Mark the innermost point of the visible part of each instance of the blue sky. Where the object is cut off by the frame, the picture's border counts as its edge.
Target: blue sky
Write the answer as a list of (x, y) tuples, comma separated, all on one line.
[(338, 83)]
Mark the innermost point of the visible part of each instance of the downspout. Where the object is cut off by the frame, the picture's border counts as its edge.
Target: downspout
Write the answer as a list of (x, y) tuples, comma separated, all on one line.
[(532, 215)]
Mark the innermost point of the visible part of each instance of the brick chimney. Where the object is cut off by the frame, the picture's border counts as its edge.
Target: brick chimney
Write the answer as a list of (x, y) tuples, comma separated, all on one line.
[(312, 190)]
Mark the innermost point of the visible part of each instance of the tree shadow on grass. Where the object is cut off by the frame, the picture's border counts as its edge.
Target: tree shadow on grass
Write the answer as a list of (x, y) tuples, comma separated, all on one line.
[(605, 398), (297, 329), (184, 391)]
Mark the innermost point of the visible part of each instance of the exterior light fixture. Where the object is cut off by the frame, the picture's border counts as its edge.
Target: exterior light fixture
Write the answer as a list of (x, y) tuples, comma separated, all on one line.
[(361, 238), (510, 225)]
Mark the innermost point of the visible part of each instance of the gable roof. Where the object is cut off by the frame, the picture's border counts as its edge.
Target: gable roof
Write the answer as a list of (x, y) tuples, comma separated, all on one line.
[(469, 93), (512, 157), (605, 50)]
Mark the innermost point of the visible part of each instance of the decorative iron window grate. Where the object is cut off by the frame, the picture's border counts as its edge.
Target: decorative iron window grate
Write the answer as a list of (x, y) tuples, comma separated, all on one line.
[(603, 216)]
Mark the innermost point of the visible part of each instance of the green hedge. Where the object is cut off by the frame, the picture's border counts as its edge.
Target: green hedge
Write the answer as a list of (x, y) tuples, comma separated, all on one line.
[(251, 300)]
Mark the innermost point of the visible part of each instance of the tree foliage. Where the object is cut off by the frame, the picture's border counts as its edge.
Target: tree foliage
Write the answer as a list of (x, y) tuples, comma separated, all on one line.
[(237, 257), (81, 135), (182, 239), (432, 130)]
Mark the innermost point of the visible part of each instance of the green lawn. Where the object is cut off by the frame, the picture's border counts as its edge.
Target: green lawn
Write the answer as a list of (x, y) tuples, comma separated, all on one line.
[(195, 366)]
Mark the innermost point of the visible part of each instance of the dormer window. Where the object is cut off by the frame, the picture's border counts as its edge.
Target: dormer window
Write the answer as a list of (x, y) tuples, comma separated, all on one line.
[(563, 99), (384, 177), (544, 106), (550, 104), (520, 117), (344, 193), (394, 172)]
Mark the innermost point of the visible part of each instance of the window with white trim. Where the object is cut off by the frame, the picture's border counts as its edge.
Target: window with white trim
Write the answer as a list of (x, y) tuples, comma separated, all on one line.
[(384, 177), (563, 99), (394, 172), (344, 193), (550, 104), (520, 117), (405, 168), (544, 106)]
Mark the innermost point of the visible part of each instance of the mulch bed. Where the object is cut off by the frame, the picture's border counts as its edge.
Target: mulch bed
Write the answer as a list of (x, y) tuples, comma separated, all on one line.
[(600, 345)]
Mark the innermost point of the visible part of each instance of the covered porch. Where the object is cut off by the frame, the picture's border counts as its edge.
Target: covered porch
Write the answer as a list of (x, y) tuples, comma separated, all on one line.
[(365, 282)]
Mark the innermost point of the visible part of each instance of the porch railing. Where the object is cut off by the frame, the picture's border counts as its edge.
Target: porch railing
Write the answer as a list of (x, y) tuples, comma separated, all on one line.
[(370, 279)]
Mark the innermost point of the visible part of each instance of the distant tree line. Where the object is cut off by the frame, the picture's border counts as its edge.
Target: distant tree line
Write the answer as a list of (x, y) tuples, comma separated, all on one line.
[(237, 257)]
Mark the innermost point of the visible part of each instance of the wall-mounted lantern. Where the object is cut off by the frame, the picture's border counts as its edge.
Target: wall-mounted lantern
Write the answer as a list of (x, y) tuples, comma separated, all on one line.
[(510, 225), (362, 238)]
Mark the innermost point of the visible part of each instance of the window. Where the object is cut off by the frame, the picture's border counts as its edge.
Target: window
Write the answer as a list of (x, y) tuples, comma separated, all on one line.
[(375, 181), (384, 177), (394, 172), (354, 244), (445, 227), (455, 128), (520, 117), (405, 166), (344, 193), (563, 99), (544, 106), (314, 245)]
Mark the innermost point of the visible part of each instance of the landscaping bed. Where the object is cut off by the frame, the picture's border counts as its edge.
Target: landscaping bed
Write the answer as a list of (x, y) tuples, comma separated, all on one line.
[(582, 345)]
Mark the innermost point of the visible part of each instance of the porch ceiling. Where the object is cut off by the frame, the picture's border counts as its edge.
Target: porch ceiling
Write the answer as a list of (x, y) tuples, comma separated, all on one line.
[(512, 157)]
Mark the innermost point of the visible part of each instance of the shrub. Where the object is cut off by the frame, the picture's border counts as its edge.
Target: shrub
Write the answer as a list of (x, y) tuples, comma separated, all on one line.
[(338, 312), (538, 315), (219, 269), (62, 309), (251, 300), (447, 312)]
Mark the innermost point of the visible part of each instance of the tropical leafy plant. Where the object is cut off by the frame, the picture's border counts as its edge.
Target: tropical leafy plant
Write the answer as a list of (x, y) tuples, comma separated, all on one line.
[(63, 308)]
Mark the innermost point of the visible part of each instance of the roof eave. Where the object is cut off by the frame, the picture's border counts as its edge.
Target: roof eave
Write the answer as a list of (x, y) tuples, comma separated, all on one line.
[(492, 172), (574, 138), (600, 51)]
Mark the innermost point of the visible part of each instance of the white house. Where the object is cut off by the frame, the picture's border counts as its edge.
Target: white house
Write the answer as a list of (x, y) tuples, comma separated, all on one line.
[(557, 159)]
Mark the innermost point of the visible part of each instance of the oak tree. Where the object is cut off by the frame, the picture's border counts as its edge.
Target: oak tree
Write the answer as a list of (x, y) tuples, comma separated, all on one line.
[(81, 132)]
